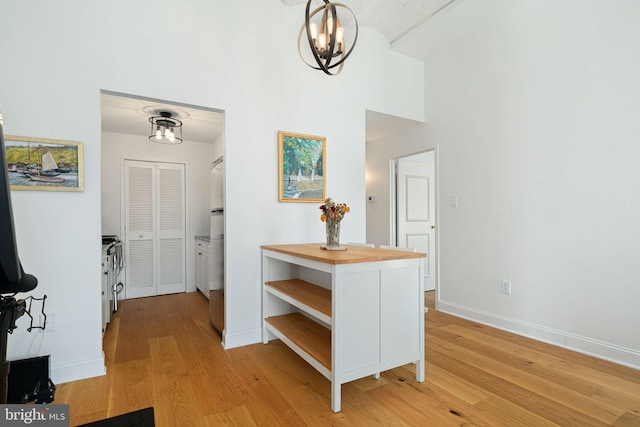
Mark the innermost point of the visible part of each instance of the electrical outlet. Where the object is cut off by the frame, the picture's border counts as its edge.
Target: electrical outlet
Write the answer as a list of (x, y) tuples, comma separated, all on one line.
[(506, 287)]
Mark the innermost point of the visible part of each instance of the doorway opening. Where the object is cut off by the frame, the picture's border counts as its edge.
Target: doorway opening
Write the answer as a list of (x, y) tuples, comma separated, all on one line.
[(125, 140), (413, 208)]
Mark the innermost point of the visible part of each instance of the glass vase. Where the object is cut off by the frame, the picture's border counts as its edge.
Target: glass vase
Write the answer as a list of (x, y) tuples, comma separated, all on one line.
[(333, 234)]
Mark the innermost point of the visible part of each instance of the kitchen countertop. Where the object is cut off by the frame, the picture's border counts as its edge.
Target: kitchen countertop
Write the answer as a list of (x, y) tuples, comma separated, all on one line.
[(353, 254), (203, 238)]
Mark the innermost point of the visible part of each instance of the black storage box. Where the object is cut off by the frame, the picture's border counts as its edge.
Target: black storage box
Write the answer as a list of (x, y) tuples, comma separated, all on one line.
[(29, 381)]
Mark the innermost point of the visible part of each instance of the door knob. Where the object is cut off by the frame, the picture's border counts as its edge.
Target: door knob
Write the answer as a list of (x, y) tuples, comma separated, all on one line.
[(433, 227)]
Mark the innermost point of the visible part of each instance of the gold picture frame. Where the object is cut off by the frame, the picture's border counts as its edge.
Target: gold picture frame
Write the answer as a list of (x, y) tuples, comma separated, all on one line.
[(39, 164), (301, 167)]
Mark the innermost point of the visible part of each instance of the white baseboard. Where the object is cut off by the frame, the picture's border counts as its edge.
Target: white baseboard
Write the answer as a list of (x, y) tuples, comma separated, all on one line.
[(600, 349), (241, 338), (61, 374)]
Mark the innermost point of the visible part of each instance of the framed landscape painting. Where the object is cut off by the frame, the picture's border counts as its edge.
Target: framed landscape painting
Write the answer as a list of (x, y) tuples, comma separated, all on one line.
[(44, 164), (301, 167)]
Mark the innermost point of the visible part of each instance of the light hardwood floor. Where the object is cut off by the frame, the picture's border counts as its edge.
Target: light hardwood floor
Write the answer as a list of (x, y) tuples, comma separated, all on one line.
[(162, 352)]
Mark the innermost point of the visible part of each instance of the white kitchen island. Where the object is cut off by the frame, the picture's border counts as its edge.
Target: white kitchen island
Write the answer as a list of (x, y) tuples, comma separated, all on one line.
[(350, 313)]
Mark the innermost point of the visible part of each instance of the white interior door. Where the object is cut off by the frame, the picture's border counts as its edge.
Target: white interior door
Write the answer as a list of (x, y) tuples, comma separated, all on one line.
[(140, 229), (171, 228), (154, 212), (416, 209)]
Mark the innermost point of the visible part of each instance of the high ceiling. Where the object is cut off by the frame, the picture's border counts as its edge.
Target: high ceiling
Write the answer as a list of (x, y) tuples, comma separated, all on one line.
[(392, 18), (414, 28)]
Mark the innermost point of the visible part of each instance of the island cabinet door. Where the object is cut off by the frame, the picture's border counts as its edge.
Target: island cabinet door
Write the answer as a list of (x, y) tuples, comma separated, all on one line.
[(400, 310), (356, 320), (377, 317)]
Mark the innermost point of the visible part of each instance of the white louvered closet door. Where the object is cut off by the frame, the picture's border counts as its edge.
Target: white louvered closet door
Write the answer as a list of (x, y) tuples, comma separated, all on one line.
[(154, 228), (171, 228)]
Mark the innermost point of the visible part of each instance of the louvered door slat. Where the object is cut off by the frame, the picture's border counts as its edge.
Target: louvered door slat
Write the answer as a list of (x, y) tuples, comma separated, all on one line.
[(140, 199), (140, 266), (171, 261), (171, 209)]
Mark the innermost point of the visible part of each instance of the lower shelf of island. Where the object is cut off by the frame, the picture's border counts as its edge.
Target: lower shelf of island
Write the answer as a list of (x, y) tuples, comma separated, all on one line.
[(307, 338)]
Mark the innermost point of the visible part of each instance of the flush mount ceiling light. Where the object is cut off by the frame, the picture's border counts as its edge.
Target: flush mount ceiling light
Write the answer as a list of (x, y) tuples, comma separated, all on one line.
[(163, 129), (326, 36)]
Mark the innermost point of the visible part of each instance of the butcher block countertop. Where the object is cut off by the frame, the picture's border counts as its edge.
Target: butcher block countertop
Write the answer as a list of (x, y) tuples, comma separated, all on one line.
[(353, 254)]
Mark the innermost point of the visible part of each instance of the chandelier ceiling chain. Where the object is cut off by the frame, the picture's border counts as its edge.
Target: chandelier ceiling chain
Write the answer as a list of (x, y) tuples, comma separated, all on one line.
[(164, 127), (327, 37)]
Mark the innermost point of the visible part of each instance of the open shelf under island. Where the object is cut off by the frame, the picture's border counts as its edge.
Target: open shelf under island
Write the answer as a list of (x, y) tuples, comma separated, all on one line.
[(350, 313)]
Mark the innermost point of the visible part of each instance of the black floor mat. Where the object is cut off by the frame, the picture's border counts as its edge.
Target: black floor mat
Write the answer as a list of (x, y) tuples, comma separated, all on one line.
[(141, 418)]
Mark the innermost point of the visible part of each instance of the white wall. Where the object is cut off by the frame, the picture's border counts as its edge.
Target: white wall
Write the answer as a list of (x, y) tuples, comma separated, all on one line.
[(197, 158), (224, 56), (378, 153), (538, 124)]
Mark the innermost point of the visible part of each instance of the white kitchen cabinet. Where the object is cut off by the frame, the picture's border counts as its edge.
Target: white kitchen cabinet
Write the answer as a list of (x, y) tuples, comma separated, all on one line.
[(349, 314), (202, 265)]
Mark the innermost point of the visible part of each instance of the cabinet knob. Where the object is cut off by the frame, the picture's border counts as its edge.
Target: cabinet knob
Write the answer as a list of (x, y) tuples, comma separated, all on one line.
[(141, 235)]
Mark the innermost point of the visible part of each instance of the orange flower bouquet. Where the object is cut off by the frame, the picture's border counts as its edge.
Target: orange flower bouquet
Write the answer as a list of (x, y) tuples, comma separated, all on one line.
[(332, 214)]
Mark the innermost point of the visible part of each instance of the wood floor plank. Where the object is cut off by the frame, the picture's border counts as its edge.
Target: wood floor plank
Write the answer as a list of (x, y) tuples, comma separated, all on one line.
[(497, 364), (495, 411), (171, 388), (417, 407), (94, 394), (236, 417), (132, 342), (450, 408), (603, 366), (534, 402), (130, 380), (262, 398), (517, 356), (162, 352), (617, 398), (554, 367), (628, 420), (461, 389), (309, 391)]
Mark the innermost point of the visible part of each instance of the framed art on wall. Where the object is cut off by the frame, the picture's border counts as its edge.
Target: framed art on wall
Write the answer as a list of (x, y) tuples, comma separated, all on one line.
[(301, 167), (44, 164)]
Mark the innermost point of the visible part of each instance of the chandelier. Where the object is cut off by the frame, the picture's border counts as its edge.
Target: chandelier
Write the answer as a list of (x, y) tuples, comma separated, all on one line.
[(163, 129), (326, 37)]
